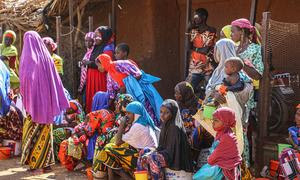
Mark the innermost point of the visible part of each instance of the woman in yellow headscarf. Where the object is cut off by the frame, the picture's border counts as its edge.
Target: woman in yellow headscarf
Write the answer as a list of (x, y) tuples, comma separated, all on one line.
[(9, 55)]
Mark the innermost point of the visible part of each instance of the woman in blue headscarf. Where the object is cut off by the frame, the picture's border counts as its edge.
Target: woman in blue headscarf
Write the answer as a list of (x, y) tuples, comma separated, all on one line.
[(136, 131), (100, 101)]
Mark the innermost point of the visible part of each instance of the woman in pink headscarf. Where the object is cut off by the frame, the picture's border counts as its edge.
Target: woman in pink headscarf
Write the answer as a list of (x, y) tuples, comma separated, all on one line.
[(89, 43), (43, 99), (250, 52)]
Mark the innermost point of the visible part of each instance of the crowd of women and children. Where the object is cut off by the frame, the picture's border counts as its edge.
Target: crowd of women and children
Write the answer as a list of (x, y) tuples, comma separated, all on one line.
[(122, 125)]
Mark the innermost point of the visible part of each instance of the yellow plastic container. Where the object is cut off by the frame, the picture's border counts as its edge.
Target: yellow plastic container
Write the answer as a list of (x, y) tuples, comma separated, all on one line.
[(281, 147), (141, 175), (208, 111)]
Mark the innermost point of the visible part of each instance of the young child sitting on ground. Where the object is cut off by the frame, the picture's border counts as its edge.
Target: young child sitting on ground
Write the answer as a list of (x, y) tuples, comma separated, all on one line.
[(294, 131), (224, 159)]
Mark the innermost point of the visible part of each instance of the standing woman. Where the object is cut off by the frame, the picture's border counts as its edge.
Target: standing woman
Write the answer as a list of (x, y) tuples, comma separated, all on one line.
[(250, 52), (43, 98), (9, 55), (96, 81)]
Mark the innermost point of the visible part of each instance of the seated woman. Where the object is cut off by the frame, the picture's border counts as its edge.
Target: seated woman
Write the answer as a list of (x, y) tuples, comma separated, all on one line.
[(199, 138), (121, 154), (224, 160), (120, 111), (97, 122), (173, 150), (124, 75)]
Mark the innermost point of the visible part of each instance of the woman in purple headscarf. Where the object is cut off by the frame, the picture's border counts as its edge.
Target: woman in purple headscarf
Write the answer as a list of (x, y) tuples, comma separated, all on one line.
[(43, 98)]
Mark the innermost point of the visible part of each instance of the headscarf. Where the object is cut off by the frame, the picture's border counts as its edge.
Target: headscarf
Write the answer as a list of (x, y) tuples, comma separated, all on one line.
[(173, 141), (50, 41), (224, 49), (123, 100), (107, 39), (4, 89), (110, 67), (227, 31), (99, 124), (100, 101), (245, 24), (40, 84), (189, 99), (10, 50), (226, 154), (90, 35), (144, 119)]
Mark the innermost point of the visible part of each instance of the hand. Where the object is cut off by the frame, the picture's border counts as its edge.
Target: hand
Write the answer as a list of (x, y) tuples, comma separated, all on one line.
[(85, 63), (219, 98), (248, 63), (138, 77)]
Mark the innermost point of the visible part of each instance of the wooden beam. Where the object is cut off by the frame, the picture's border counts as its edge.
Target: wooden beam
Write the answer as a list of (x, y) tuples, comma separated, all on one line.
[(186, 38), (71, 24), (114, 17), (253, 11), (91, 28), (264, 94), (58, 34)]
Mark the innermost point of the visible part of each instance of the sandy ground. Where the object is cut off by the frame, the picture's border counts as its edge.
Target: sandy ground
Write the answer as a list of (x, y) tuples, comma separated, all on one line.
[(11, 169)]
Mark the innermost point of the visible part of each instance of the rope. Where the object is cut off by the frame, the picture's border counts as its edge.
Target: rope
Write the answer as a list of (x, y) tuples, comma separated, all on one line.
[(73, 28)]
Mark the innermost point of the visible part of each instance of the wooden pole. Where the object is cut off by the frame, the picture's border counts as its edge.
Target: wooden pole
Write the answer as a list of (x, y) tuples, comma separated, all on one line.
[(91, 28), (58, 34), (253, 11), (186, 39), (113, 18), (264, 94), (71, 43), (1, 31)]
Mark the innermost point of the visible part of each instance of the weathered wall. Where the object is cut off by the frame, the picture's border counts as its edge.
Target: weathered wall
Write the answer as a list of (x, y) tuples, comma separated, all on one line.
[(154, 29)]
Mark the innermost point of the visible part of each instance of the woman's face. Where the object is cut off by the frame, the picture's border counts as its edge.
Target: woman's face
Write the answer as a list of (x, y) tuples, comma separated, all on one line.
[(217, 124), (165, 114), (8, 41), (130, 116), (100, 67), (89, 42), (98, 38), (178, 96), (197, 19), (297, 117), (236, 33)]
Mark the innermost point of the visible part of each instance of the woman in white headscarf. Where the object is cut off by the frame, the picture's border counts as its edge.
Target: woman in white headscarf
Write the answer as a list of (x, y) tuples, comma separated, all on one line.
[(224, 49)]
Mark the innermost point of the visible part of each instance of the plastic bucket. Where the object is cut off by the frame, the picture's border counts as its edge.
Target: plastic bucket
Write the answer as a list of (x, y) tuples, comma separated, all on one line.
[(15, 145), (177, 175), (141, 175), (5, 153), (274, 165), (281, 147), (208, 111), (89, 173)]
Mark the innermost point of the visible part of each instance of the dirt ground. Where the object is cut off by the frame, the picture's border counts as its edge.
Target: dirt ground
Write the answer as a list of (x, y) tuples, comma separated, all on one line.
[(11, 169)]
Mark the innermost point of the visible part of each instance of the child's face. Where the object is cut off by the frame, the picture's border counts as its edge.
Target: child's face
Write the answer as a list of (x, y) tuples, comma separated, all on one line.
[(165, 114), (217, 124), (119, 54), (230, 68), (49, 48), (89, 42), (8, 41), (178, 96), (297, 117)]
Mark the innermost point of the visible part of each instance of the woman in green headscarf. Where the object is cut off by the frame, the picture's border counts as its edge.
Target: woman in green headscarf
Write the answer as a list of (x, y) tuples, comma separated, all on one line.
[(9, 55)]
